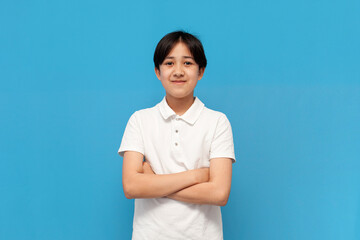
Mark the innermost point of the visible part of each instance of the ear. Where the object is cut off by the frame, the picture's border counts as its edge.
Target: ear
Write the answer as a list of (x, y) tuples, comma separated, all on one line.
[(157, 72), (201, 73)]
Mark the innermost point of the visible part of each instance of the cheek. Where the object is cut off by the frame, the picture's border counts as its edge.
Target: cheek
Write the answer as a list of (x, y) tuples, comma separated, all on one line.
[(193, 74), (164, 74)]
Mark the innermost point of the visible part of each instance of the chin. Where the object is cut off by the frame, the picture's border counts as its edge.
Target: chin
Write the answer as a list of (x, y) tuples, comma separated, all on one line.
[(177, 95)]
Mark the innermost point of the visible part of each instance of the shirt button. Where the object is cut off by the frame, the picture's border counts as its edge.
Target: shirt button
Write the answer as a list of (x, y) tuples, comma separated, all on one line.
[(177, 119), (176, 131), (176, 144)]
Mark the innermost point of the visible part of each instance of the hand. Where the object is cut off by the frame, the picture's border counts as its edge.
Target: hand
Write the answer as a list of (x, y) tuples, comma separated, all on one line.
[(202, 175), (147, 168)]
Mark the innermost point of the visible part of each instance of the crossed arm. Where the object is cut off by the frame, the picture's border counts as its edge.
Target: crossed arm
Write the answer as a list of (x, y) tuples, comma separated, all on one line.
[(201, 186)]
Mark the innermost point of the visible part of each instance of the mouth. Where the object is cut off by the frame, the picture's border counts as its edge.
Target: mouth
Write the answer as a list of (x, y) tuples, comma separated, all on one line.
[(178, 81)]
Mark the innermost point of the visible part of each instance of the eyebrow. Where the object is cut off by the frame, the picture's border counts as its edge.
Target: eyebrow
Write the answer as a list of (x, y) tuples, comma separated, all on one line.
[(182, 56)]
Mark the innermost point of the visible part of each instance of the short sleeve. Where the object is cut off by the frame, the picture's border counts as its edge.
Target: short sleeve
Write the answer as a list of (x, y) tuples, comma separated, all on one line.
[(222, 145), (132, 139)]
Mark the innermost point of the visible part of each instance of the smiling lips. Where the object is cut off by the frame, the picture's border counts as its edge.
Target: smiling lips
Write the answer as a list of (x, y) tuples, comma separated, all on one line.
[(178, 81)]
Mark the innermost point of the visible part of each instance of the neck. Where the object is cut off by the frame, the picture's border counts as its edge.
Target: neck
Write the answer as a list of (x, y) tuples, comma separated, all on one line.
[(180, 105)]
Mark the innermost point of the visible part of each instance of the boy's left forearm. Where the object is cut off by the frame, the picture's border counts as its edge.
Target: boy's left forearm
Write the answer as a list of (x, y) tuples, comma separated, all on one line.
[(202, 193), (214, 192)]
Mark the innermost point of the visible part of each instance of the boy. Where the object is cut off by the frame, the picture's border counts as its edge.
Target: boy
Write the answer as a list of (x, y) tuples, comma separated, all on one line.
[(188, 151)]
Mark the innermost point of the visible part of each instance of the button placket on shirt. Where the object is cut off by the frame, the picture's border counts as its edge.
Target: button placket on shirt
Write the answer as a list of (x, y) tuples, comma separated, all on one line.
[(176, 138)]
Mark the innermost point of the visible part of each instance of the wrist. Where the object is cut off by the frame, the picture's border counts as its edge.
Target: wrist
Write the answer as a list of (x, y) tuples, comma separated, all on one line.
[(196, 176)]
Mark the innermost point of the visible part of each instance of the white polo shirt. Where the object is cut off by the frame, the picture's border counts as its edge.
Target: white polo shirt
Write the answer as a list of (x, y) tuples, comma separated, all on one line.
[(172, 144)]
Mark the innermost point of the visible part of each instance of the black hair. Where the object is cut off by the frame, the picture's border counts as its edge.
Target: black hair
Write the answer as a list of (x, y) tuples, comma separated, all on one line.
[(167, 43)]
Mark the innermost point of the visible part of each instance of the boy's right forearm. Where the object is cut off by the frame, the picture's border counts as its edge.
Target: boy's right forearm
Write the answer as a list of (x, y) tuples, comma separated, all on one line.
[(140, 185)]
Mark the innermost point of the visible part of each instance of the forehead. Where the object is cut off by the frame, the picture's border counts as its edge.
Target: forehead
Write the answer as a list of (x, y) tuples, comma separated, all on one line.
[(180, 49)]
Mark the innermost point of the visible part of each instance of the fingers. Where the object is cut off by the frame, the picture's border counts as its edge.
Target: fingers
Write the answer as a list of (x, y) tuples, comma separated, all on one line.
[(147, 168)]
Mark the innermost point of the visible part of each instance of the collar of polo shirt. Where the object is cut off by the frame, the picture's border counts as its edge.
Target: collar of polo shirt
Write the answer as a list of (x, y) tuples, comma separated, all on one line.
[(190, 116)]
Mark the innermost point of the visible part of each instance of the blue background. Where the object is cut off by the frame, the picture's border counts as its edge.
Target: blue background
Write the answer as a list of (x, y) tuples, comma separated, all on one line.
[(286, 73)]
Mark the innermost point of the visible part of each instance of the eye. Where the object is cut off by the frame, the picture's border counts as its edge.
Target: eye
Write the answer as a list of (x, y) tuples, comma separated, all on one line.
[(168, 63), (188, 63)]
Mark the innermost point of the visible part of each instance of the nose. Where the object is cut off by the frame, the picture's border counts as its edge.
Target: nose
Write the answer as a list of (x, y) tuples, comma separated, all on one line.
[(178, 71)]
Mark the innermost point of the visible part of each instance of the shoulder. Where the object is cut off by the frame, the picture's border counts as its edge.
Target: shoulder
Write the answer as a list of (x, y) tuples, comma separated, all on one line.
[(146, 112), (144, 116), (214, 115), (213, 120)]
